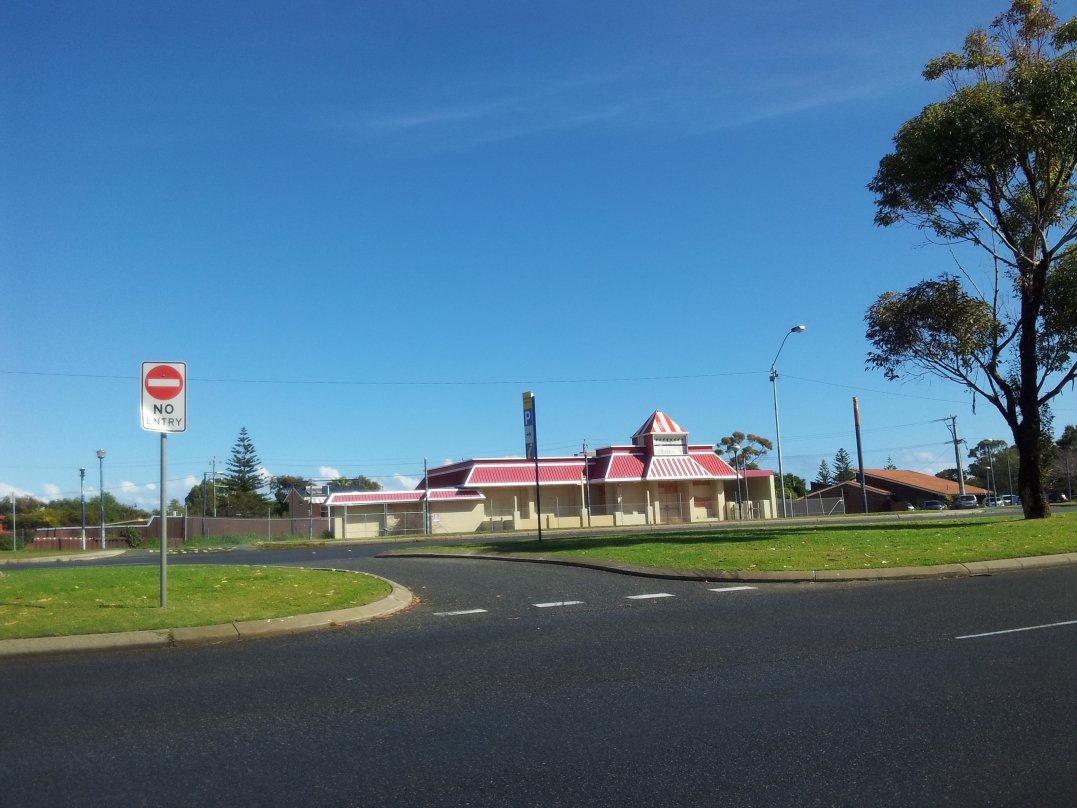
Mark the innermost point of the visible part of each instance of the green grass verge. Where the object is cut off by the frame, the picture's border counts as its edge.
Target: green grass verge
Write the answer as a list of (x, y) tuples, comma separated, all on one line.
[(810, 547), (51, 602)]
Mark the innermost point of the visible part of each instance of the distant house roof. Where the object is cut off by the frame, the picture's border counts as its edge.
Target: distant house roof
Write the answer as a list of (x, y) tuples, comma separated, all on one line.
[(920, 481), (830, 490)]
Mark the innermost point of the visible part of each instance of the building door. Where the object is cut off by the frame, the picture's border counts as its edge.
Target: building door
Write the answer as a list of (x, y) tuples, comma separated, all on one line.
[(672, 509)]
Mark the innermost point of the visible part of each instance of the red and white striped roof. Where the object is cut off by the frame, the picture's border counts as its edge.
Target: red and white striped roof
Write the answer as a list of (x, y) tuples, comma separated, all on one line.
[(660, 423), (550, 471), (635, 463), (683, 467), (390, 497), (620, 465), (705, 456)]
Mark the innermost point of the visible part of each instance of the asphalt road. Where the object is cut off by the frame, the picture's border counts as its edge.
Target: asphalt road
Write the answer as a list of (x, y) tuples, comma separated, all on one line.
[(566, 689)]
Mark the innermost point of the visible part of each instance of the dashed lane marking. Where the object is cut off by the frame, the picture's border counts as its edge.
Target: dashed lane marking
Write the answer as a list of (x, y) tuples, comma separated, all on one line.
[(462, 611), (732, 588), (558, 603), (648, 597), (1015, 630)]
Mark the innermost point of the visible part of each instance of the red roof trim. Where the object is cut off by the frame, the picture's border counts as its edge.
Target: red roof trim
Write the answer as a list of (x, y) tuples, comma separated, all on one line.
[(390, 497)]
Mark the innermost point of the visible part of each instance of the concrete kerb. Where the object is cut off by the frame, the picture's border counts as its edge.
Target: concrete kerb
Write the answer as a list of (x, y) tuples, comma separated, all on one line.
[(95, 555), (398, 599), (964, 570)]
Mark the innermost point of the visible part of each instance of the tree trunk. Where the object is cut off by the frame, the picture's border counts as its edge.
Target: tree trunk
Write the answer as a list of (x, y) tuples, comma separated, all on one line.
[(1027, 436), (1027, 430)]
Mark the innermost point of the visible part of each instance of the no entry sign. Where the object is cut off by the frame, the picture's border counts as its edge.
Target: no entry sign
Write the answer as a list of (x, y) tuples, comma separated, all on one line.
[(164, 396)]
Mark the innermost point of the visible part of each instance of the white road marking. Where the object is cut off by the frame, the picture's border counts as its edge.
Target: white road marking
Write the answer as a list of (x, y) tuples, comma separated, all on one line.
[(1015, 630), (732, 588), (645, 597), (557, 603), (463, 611)]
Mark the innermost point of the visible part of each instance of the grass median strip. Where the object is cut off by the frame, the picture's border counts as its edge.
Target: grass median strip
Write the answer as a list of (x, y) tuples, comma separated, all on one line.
[(58, 602), (778, 546)]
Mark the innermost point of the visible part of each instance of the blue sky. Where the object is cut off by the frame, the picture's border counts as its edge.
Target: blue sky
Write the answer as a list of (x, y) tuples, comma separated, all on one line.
[(367, 228)]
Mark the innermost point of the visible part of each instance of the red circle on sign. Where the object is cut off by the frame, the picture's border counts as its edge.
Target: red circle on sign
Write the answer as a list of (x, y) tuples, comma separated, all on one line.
[(163, 382)]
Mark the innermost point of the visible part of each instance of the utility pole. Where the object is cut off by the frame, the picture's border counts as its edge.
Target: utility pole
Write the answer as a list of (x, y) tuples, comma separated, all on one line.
[(860, 455), (957, 453)]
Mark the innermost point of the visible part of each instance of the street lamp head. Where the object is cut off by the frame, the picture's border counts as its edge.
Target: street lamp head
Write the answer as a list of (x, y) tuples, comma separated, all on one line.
[(100, 454), (798, 329)]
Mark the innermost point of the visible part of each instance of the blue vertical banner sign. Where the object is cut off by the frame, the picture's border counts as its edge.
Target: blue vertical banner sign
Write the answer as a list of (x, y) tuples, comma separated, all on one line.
[(530, 440), (531, 448)]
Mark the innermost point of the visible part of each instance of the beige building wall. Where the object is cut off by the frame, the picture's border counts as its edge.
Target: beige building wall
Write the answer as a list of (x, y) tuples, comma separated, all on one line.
[(371, 521)]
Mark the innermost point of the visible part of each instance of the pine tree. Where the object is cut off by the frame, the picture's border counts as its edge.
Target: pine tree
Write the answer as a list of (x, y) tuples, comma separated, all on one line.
[(244, 467), (823, 476), (890, 464), (843, 467)]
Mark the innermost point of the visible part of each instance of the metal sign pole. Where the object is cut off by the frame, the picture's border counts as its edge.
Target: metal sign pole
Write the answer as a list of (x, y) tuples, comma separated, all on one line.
[(531, 450), (164, 519)]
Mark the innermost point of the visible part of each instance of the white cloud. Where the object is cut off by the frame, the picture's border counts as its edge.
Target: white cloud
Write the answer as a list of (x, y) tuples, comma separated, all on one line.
[(6, 489), (52, 491), (401, 482), (141, 495), (329, 473), (678, 96)]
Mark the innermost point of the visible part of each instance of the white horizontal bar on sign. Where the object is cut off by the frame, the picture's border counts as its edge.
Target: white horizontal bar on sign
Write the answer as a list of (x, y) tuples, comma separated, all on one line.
[(162, 382), (462, 611), (558, 603), (647, 597)]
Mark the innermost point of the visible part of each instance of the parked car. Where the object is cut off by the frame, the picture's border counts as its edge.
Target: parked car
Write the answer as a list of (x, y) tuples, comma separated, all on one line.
[(994, 502), (965, 501), (1056, 496), (1011, 499), (934, 505)]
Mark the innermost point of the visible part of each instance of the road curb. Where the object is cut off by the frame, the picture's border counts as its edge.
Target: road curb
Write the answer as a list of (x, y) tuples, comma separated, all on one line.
[(398, 599), (964, 570), (95, 555)]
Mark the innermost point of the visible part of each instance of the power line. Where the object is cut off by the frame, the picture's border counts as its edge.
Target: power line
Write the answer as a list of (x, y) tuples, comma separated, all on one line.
[(385, 383)]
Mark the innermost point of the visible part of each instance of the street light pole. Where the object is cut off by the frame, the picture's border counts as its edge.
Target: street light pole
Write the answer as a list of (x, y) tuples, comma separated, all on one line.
[(101, 493), (82, 505), (797, 329)]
